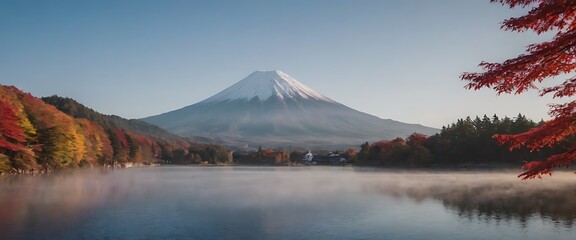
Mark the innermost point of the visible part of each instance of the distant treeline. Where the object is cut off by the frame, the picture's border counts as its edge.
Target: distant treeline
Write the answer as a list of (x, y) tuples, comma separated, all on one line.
[(54, 133), (466, 142)]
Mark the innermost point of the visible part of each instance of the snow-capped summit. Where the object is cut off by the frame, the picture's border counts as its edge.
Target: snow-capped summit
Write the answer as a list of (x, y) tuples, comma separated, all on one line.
[(270, 108), (266, 84)]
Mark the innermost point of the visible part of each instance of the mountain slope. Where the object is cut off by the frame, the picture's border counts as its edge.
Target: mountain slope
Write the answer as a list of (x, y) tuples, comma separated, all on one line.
[(271, 108), (78, 110)]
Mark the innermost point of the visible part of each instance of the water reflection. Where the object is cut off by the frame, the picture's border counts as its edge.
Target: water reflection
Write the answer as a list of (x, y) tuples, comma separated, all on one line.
[(43, 205), (282, 203), (491, 197)]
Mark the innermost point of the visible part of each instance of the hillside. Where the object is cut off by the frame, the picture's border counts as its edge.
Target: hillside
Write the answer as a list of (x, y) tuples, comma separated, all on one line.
[(78, 110), (37, 136)]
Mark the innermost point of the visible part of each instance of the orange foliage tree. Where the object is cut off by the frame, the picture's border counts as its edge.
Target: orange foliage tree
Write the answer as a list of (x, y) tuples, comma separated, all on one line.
[(541, 61), (11, 135)]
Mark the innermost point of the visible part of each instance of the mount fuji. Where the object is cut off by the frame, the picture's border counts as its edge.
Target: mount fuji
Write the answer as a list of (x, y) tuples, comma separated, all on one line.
[(270, 108)]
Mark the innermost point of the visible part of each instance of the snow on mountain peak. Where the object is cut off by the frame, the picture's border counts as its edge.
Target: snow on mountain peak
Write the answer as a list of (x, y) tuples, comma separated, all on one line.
[(265, 84)]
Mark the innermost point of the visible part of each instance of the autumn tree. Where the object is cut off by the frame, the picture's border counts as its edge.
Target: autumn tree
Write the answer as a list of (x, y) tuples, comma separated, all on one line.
[(119, 145), (17, 134), (133, 149), (418, 154), (541, 62), (57, 150), (350, 154), (11, 136)]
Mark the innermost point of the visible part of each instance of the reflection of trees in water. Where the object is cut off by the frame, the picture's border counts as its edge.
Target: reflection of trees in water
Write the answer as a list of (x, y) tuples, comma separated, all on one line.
[(53, 202), (505, 203), (497, 201)]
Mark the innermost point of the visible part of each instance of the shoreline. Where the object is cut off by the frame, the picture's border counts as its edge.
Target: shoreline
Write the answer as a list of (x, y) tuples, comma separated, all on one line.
[(464, 168)]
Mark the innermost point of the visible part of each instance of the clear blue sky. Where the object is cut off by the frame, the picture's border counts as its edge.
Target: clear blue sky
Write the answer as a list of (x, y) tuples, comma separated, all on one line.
[(393, 59)]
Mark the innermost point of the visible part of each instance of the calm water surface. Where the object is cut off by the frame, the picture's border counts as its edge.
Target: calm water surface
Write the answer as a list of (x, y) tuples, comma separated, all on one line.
[(285, 203)]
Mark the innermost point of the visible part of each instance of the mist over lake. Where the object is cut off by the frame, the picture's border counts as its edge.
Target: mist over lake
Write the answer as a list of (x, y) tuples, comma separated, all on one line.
[(285, 203)]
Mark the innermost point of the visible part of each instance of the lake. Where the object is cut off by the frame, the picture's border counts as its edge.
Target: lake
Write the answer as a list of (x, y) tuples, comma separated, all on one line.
[(179, 202)]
